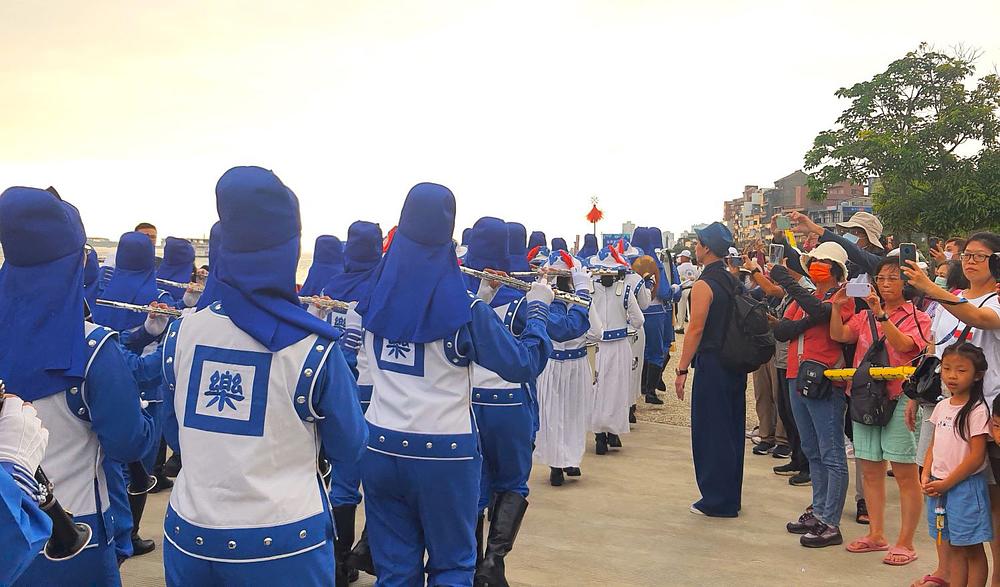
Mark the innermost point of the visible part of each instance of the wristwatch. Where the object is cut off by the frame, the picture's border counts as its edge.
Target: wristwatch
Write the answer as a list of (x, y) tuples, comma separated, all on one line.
[(883, 318), (681, 371)]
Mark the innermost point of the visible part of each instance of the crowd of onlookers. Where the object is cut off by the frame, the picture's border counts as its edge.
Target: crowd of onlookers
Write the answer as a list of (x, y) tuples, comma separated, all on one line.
[(850, 298)]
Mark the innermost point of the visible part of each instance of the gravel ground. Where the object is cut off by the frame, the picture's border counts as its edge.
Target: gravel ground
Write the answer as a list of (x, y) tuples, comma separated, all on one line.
[(674, 411)]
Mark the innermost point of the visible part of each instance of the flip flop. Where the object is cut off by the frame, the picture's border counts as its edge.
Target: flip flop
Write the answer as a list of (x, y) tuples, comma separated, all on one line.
[(934, 580), (865, 544), (908, 556)]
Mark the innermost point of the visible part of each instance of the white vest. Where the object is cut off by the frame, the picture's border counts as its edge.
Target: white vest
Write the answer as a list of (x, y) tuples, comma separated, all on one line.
[(351, 319), (249, 487), (488, 388), (615, 308), (73, 460)]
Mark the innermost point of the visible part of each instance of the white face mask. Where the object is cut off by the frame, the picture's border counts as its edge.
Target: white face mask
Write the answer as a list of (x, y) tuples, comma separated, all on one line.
[(948, 255)]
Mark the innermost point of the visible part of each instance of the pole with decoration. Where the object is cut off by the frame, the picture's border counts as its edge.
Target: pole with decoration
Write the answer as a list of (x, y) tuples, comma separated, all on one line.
[(595, 215)]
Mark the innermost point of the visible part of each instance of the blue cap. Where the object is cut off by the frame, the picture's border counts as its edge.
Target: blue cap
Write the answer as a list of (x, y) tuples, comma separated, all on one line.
[(488, 245), (717, 237), (537, 239), (178, 251), (27, 213), (559, 244), (328, 249), (135, 252), (428, 215), (364, 246), (257, 211)]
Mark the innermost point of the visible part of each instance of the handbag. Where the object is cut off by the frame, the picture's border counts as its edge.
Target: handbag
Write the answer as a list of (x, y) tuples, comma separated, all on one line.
[(811, 380), (870, 403)]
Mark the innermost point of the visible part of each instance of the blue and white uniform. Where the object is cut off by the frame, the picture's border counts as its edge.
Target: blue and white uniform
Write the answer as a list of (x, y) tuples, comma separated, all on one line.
[(254, 385), (24, 528), (328, 262), (73, 372), (177, 265), (423, 335)]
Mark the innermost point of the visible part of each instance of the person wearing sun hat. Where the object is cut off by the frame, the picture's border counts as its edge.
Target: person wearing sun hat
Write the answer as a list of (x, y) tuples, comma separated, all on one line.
[(862, 242)]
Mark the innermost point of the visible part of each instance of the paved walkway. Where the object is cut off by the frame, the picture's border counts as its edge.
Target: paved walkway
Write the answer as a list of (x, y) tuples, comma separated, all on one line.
[(626, 522)]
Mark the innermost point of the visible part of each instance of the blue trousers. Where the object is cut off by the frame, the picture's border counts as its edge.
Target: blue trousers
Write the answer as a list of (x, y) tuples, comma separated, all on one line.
[(155, 412), (718, 420), (821, 432), (314, 567), (656, 345), (506, 434), (416, 505), (121, 513), (345, 480), (93, 566)]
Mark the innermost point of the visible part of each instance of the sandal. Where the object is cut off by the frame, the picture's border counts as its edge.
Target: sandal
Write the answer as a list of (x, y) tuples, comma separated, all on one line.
[(938, 581), (905, 555), (862, 515), (866, 544)]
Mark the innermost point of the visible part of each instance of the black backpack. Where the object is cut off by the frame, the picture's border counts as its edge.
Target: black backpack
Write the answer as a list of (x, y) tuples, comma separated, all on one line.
[(870, 403), (747, 342)]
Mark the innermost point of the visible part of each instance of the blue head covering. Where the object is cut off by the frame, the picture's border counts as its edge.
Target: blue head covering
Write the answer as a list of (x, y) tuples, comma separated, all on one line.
[(655, 239), (362, 253), (419, 294), (537, 239), (133, 282), (559, 244), (261, 235), (177, 264), (517, 237), (43, 348), (488, 250), (589, 248), (328, 261), (214, 249), (91, 275), (465, 236)]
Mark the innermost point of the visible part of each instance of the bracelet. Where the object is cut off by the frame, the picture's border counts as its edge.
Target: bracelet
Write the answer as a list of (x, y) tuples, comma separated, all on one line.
[(681, 371)]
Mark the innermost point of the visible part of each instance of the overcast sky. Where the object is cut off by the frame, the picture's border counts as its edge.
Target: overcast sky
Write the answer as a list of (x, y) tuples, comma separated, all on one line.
[(663, 109)]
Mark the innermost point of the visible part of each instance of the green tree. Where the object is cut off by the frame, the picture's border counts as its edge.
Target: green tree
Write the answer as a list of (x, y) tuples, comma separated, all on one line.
[(929, 132)]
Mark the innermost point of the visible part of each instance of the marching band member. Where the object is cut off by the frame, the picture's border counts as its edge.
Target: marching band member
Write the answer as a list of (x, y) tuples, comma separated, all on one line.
[(612, 309), (688, 273), (421, 473), (517, 247), (589, 248), (177, 265), (565, 386), (559, 244), (24, 528), (328, 261), (73, 372), (362, 253), (537, 239), (669, 294), (254, 385), (657, 323)]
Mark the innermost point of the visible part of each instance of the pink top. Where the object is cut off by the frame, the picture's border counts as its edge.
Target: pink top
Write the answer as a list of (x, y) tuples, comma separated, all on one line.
[(949, 448), (861, 332), (816, 342)]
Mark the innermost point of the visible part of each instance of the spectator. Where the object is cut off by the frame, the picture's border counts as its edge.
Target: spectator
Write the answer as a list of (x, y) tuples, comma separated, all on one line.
[(689, 273), (150, 231), (820, 420), (900, 323)]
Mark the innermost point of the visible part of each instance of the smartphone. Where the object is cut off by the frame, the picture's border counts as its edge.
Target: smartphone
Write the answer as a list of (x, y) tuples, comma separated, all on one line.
[(784, 223), (775, 253), (858, 290), (907, 252), (851, 238), (934, 242), (736, 261)]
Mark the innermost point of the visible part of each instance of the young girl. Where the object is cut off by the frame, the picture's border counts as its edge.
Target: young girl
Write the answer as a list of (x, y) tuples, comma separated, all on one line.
[(953, 479)]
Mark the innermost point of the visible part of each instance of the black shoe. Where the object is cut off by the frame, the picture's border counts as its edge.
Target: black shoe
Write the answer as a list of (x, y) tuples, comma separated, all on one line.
[(786, 470), (631, 415), (141, 546), (614, 441), (763, 448), (506, 515), (173, 465), (343, 518), (601, 443), (806, 523), (162, 482), (782, 451), (862, 516), (652, 399), (555, 477), (800, 479), (822, 536), (361, 555), (660, 385), (572, 471), (678, 331)]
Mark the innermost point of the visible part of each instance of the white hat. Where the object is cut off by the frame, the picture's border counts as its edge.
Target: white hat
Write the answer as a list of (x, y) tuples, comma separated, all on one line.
[(828, 251), (684, 253), (867, 222)]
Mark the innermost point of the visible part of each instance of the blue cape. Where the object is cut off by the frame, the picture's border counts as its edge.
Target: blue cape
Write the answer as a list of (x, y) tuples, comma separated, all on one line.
[(133, 282), (43, 349), (261, 234), (177, 264), (214, 250), (589, 248), (362, 253), (328, 261), (517, 240), (419, 294)]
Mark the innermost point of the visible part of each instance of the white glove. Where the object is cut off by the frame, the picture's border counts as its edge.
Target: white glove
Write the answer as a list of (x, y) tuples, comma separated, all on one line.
[(675, 288), (191, 298), (22, 437), (581, 279), (156, 323), (540, 292), (485, 292)]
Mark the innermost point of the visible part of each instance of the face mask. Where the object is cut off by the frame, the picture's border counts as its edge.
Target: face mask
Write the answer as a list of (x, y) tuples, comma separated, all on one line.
[(851, 238), (941, 281), (820, 272), (948, 255)]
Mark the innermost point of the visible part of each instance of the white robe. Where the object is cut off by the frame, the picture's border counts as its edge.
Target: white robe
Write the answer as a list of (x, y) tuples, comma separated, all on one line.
[(565, 398)]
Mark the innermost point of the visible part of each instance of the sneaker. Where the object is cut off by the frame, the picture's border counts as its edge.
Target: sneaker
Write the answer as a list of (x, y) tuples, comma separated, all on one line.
[(822, 536), (752, 432), (800, 479), (763, 448), (782, 451), (696, 511), (786, 470), (804, 524)]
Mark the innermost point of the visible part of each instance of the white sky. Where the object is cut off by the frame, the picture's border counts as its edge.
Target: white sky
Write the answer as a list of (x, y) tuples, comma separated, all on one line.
[(663, 109)]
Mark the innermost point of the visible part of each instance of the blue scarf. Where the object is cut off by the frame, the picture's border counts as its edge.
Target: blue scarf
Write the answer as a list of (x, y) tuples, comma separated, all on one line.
[(589, 248), (43, 349), (210, 295), (133, 282), (177, 264), (362, 254), (328, 261), (517, 248), (419, 294), (261, 235)]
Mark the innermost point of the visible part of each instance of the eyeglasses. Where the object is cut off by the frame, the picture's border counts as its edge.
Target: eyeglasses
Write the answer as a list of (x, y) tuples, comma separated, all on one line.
[(977, 257), (886, 279)]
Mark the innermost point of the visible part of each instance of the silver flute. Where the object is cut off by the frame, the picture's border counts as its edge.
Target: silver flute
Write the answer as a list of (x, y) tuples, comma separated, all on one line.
[(562, 296), (568, 273), (141, 309), (325, 303), (193, 286)]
